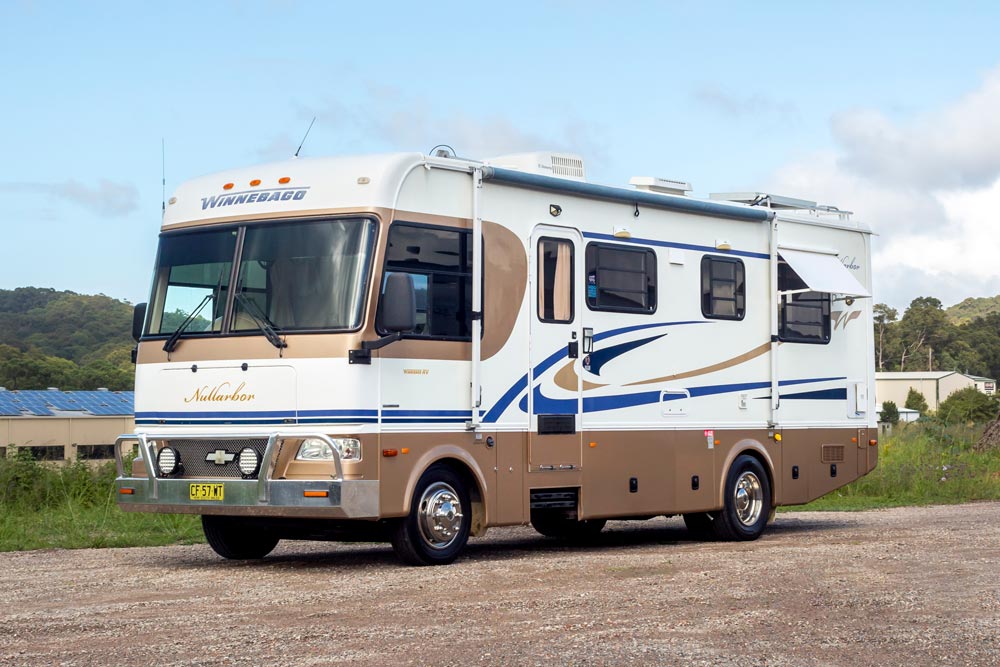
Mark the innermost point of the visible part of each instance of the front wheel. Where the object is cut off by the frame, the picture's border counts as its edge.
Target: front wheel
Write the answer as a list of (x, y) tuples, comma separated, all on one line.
[(747, 501), (437, 527), (237, 540)]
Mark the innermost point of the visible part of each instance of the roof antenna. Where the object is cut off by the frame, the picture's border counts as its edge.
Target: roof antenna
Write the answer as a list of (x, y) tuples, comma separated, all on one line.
[(304, 138), (163, 172)]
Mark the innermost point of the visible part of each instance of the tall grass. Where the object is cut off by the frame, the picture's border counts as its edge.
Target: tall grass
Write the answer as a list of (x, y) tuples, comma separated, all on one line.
[(43, 506), (923, 463)]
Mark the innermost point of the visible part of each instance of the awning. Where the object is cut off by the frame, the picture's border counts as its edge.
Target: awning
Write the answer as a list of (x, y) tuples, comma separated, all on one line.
[(823, 272)]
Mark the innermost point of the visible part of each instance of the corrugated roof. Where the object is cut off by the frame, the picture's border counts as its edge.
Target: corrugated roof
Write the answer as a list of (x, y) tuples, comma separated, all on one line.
[(55, 403), (920, 375)]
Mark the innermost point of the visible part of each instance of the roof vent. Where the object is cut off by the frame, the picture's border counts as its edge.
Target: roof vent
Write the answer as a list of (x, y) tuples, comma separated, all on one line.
[(663, 186), (563, 165)]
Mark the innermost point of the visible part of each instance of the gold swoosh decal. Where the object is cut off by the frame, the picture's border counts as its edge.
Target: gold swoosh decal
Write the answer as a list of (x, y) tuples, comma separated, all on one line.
[(729, 363), (567, 378)]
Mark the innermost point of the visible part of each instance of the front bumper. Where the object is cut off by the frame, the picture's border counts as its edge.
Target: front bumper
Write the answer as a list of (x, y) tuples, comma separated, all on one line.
[(334, 498)]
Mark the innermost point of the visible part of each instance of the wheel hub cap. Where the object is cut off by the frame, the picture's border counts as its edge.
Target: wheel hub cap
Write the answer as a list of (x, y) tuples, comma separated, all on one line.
[(748, 497), (440, 515)]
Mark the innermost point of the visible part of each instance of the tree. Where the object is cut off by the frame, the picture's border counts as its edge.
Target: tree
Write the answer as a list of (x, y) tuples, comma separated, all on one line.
[(967, 405), (884, 317), (890, 413), (924, 325), (915, 401)]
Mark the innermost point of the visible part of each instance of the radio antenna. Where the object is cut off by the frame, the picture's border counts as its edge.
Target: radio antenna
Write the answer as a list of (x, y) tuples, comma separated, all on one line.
[(163, 173), (304, 138)]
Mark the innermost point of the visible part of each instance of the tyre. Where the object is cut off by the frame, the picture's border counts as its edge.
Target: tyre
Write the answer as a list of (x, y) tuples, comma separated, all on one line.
[(235, 539), (699, 525), (747, 501), (437, 527), (551, 524)]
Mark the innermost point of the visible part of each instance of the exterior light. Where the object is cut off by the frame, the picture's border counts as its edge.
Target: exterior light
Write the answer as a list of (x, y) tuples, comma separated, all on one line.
[(248, 462), (168, 460)]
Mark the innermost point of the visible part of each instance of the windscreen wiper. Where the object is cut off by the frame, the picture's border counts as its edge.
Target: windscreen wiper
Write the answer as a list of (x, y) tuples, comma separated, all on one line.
[(261, 320), (176, 335)]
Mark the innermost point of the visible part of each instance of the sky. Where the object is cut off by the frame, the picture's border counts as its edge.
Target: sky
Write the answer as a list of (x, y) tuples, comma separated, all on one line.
[(888, 109)]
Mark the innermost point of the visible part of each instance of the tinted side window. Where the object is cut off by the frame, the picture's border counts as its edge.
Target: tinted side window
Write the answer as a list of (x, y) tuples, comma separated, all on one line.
[(723, 288), (620, 278), (803, 317), (440, 263)]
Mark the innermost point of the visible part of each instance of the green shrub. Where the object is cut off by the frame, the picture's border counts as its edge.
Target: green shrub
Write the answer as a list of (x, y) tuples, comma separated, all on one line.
[(968, 405), (915, 401), (890, 413)]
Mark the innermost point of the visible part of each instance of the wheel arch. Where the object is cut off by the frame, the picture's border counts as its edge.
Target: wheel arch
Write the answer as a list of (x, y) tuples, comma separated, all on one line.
[(465, 466), (751, 448)]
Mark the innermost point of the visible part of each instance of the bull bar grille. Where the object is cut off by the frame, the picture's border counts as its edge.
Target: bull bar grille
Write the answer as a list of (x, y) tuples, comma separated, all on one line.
[(194, 456)]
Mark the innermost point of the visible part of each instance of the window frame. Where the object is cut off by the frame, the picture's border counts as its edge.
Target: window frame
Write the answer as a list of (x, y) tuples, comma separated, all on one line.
[(386, 270), (572, 280), (649, 271), (825, 307), (741, 269)]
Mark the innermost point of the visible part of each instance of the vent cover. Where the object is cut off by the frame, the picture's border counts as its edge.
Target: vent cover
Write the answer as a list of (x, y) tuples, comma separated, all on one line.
[(561, 165), (567, 166), (833, 453)]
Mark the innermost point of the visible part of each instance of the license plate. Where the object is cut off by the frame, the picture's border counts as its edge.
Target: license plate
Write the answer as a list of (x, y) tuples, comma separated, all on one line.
[(206, 491)]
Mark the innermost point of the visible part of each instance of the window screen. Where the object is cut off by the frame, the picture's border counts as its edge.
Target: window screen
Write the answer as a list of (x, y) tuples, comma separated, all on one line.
[(723, 288), (621, 279), (803, 317), (440, 262), (555, 280)]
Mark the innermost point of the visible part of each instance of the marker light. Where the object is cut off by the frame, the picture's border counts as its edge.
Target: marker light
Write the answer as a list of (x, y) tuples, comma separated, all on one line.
[(125, 491), (777, 437), (873, 442), (389, 452), (316, 494), (249, 462), (228, 186), (284, 179), (255, 182), (168, 460)]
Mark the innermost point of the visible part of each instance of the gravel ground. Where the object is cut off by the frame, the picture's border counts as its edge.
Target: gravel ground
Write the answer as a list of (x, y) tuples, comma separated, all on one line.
[(909, 586)]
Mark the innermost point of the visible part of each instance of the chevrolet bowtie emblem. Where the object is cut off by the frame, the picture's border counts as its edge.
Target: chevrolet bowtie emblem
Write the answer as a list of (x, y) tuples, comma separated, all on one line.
[(220, 457)]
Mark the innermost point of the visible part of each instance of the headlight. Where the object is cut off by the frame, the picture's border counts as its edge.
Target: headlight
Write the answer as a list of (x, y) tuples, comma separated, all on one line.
[(248, 462), (314, 449), (167, 461)]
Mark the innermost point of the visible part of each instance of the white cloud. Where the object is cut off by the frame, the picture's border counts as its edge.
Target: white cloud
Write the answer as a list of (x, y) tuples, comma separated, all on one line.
[(752, 105), (929, 186), (107, 198)]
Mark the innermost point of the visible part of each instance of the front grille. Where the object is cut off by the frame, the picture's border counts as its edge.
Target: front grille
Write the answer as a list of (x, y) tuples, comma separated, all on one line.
[(193, 455)]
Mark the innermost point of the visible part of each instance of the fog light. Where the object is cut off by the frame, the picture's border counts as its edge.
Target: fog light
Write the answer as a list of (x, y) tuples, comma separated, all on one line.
[(248, 462), (167, 461)]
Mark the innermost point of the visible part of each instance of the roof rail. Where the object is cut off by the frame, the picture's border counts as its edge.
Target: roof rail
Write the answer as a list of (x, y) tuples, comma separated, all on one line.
[(780, 203)]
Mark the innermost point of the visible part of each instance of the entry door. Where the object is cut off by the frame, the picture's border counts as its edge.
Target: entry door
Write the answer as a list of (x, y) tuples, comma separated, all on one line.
[(556, 272)]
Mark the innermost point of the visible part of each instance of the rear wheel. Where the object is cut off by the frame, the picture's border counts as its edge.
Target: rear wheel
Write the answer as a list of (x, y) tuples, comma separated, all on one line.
[(551, 524), (437, 528), (747, 501), (235, 539)]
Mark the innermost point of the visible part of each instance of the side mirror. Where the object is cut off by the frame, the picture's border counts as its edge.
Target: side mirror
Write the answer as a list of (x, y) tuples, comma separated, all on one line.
[(138, 319), (399, 304)]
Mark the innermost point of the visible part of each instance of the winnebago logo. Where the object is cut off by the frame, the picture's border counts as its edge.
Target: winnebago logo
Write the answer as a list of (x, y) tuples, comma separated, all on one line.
[(220, 393), (258, 196)]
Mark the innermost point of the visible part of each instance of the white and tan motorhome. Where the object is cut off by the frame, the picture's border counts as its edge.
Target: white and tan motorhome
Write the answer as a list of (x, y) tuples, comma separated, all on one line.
[(417, 347)]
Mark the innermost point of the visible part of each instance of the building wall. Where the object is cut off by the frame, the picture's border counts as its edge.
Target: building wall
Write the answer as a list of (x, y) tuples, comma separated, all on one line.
[(68, 432), (896, 391), (952, 383)]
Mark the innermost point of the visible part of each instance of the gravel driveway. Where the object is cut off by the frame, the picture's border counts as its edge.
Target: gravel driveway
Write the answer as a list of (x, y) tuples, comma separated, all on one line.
[(910, 586)]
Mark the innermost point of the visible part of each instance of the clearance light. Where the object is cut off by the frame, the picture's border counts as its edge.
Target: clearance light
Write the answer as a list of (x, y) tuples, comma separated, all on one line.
[(255, 182), (228, 186), (316, 494), (284, 179), (125, 491), (389, 452)]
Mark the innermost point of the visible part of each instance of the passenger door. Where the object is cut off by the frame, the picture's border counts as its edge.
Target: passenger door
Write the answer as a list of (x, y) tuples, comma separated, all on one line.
[(556, 270)]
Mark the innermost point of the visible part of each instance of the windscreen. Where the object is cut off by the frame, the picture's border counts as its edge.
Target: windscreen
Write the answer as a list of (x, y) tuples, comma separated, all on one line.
[(292, 276)]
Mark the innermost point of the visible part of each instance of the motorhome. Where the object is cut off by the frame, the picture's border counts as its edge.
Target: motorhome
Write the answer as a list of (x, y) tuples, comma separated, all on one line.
[(414, 348)]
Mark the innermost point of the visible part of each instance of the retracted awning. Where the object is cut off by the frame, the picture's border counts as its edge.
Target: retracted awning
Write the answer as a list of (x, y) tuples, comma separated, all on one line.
[(823, 272)]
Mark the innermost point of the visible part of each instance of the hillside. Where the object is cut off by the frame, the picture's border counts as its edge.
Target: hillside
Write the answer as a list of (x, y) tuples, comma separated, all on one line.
[(973, 307), (63, 339)]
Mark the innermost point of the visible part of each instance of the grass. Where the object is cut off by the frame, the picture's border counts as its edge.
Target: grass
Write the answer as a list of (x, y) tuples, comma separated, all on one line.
[(924, 463), (73, 507)]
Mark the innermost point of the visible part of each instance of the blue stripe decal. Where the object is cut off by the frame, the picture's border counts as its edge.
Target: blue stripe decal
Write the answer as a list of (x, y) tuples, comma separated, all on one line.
[(498, 408), (208, 415), (682, 246), (600, 357), (820, 395), (339, 413)]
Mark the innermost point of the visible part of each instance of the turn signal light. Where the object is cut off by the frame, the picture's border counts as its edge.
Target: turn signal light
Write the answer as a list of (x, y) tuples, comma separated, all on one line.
[(126, 491), (390, 452), (316, 494)]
